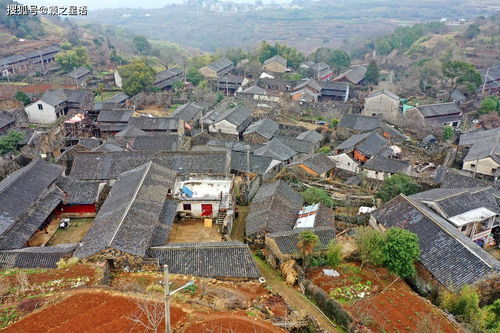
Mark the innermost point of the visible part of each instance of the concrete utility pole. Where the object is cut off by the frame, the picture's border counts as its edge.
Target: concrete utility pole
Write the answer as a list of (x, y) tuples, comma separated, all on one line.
[(166, 298), (167, 295)]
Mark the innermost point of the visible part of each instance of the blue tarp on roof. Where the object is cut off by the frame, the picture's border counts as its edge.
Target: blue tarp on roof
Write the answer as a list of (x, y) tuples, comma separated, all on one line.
[(187, 191)]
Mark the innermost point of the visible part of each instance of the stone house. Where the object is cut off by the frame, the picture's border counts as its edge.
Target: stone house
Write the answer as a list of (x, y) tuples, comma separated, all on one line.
[(384, 103)]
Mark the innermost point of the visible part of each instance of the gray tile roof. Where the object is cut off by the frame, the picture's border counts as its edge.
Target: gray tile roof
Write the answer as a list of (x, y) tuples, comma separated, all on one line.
[(451, 257), (287, 240), (35, 257), (276, 150), (21, 189), (94, 165), (307, 83), (114, 116), (372, 145), (132, 212), (483, 150), (265, 127), (89, 143), (231, 259), (5, 120), (167, 77), (277, 58), (383, 164), (298, 145), (154, 124), (274, 208), (384, 92), (118, 98), (452, 202), (359, 123), (157, 142), (240, 116), (19, 232), (107, 147), (221, 66), (258, 164), (79, 72), (130, 131), (311, 135), (479, 136), (354, 74), (233, 145), (439, 110), (83, 192), (58, 96), (334, 88), (254, 90), (318, 163), (451, 178), (187, 112)]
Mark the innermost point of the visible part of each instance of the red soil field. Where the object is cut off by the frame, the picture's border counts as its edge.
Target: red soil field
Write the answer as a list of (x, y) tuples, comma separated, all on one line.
[(88, 312), (398, 309), (232, 323)]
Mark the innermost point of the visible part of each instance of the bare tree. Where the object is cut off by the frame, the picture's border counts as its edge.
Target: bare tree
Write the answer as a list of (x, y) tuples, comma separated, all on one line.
[(149, 314), (22, 281)]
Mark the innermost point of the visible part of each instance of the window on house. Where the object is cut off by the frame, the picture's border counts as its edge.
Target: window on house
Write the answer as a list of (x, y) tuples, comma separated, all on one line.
[(472, 165), (40, 107), (455, 124), (186, 207), (463, 228), (493, 170)]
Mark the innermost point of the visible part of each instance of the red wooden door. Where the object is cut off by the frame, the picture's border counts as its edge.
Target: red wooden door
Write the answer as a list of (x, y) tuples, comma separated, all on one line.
[(206, 209)]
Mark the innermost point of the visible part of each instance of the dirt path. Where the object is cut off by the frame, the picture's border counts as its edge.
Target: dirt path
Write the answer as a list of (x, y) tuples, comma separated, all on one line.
[(294, 298)]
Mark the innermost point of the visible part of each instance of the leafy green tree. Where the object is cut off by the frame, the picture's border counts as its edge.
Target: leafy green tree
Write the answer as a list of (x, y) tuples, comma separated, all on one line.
[(72, 59), (458, 73), (136, 76), (308, 240), (293, 56), (465, 306), (9, 142), (194, 76), (334, 253), (472, 31), (315, 195), (397, 184), (369, 244), (492, 317), (339, 60), (141, 44), (23, 97), (400, 251), (448, 132), (116, 58), (334, 123), (489, 104), (372, 73)]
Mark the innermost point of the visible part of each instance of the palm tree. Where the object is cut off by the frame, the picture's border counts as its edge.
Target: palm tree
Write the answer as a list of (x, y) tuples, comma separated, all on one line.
[(308, 240)]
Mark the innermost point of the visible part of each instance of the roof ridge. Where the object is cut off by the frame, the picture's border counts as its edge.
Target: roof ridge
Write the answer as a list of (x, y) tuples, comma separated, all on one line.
[(131, 201), (444, 229), (23, 170)]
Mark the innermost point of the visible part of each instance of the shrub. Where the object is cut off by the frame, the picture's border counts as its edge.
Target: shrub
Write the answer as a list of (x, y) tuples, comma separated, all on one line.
[(465, 306), (21, 96), (62, 264), (448, 132), (330, 307), (334, 253), (325, 150), (314, 195), (9, 142), (154, 288), (400, 251), (369, 243), (397, 184)]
